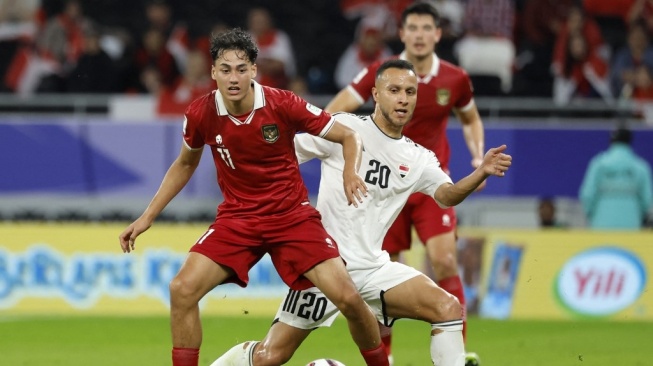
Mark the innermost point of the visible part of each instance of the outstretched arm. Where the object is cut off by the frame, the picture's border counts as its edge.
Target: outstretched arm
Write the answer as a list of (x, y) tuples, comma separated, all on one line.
[(344, 101), (178, 175), (495, 162), (474, 135), (352, 151)]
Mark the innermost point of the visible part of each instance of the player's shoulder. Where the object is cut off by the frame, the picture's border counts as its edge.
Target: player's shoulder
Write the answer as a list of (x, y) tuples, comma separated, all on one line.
[(417, 147), (451, 69), (198, 107), (348, 118)]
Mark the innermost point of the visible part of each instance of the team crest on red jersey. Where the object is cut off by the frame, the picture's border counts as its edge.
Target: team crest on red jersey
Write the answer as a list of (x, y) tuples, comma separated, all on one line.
[(443, 96), (403, 170), (270, 133)]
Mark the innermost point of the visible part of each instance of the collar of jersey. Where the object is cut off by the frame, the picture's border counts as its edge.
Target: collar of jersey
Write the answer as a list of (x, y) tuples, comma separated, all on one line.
[(435, 67), (259, 102)]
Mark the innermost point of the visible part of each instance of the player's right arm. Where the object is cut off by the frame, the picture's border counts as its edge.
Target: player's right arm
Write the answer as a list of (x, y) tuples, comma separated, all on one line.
[(176, 178), (344, 101), (355, 94), (495, 162)]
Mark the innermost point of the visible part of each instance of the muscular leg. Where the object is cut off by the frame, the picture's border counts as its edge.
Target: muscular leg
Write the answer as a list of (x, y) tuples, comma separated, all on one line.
[(276, 348), (441, 251), (279, 344), (197, 276), (419, 298), (332, 279)]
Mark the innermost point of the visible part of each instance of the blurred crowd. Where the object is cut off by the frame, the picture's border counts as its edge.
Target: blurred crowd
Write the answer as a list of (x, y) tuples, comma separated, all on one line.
[(559, 49)]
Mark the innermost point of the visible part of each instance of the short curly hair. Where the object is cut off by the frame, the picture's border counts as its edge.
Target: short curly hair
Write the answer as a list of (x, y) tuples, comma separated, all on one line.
[(233, 40)]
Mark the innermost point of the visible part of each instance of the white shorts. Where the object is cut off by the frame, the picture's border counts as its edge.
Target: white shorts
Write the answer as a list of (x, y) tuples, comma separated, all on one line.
[(309, 309)]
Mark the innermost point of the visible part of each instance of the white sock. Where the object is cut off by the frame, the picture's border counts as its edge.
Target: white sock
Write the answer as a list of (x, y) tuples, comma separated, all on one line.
[(238, 355), (447, 347)]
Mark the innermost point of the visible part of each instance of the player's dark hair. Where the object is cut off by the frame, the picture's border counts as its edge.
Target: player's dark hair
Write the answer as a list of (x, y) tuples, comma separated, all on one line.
[(233, 40), (394, 64), (421, 8)]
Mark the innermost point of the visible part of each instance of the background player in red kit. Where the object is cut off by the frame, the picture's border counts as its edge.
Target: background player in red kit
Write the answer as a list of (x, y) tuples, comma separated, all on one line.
[(442, 88), (250, 129)]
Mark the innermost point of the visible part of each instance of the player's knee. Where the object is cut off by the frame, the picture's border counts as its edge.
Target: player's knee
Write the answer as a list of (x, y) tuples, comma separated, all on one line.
[(450, 309), (181, 290), (445, 265), (264, 356), (349, 302)]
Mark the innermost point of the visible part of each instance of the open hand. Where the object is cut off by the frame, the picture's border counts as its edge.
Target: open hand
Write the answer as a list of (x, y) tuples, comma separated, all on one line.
[(495, 162)]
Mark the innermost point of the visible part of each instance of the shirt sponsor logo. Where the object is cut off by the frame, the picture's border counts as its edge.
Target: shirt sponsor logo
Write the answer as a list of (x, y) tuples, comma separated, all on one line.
[(313, 109), (443, 96), (218, 139), (600, 281), (270, 133), (403, 170)]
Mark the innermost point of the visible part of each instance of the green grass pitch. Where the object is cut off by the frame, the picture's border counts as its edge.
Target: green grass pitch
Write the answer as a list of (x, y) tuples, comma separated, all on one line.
[(138, 341)]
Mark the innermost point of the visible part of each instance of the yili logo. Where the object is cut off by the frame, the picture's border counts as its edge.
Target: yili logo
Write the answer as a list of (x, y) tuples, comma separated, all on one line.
[(600, 281)]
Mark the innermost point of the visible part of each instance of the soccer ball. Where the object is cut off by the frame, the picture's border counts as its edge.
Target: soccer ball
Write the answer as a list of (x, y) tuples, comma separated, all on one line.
[(325, 362)]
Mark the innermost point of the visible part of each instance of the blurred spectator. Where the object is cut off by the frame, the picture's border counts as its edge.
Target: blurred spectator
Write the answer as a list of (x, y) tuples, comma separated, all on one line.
[(578, 23), (153, 52), (150, 81), (61, 43), (276, 61), (617, 190), (540, 24), (194, 83), (641, 11), (62, 37), (451, 23), (583, 75), (384, 14), (487, 47), (611, 16), (546, 211), (18, 27), (175, 34), (632, 66), (94, 71), (367, 48)]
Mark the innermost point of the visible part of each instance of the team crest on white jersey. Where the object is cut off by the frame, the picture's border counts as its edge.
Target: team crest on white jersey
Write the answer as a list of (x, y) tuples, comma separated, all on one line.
[(218, 139), (404, 169), (270, 133), (443, 96)]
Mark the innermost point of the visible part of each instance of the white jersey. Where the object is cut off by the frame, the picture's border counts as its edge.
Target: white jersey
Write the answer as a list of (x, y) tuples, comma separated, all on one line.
[(392, 168)]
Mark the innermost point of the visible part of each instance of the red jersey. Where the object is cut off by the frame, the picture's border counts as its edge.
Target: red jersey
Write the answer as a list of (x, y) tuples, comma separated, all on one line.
[(254, 154), (445, 87)]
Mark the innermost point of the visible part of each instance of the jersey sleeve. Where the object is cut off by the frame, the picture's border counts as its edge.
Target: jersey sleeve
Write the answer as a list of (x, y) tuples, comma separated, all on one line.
[(192, 136), (307, 117), (361, 86), (308, 147), (432, 177), (466, 92)]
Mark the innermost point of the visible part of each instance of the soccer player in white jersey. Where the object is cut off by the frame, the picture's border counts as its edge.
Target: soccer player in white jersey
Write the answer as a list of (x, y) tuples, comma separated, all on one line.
[(393, 168)]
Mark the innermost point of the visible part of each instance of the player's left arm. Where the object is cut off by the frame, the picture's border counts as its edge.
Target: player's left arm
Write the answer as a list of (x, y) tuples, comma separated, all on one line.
[(352, 151), (473, 133), (495, 162)]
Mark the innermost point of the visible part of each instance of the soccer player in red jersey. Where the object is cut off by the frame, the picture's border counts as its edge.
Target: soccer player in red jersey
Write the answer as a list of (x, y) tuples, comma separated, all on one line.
[(442, 88), (250, 129)]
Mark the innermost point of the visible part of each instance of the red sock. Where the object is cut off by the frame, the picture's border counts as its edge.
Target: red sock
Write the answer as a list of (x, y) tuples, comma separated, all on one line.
[(454, 286), (376, 356), (185, 356), (386, 338)]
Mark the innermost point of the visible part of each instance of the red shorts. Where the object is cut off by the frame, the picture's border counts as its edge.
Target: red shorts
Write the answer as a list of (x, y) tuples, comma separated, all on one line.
[(296, 242), (428, 218)]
